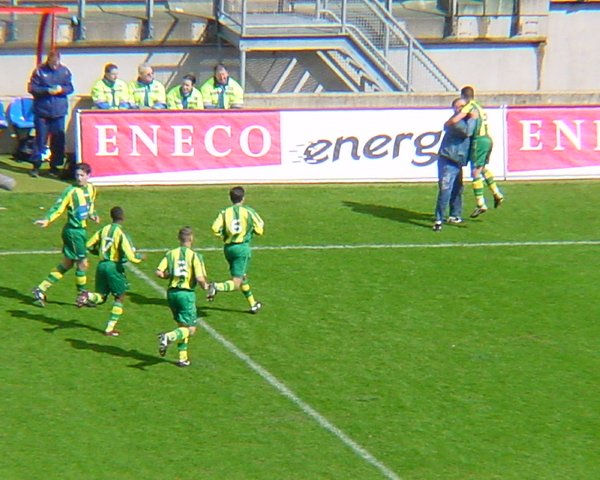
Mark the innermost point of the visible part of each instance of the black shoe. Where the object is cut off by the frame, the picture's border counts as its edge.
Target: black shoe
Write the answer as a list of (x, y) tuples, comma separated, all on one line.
[(34, 173), (163, 344), (479, 211)]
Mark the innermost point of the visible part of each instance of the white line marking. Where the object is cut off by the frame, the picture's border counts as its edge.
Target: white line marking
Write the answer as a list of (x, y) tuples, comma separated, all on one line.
[(359, 246), (280, 387)]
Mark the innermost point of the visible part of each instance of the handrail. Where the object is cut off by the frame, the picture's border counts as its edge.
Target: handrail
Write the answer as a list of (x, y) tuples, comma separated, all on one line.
[(360, 38), (415, 48), (335, 17)]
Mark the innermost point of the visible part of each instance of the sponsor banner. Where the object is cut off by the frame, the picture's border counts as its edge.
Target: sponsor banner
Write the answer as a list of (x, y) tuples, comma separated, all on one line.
[(553, 142), (135, 143), (371, 145)]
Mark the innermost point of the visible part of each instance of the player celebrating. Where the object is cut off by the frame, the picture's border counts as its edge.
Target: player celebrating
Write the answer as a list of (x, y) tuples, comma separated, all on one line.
[(78, 201), (481, 149), (236, 225), (114, 248), (184, 269)]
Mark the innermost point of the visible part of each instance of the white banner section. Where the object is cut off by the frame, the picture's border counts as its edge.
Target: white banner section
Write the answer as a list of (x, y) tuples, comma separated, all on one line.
[(371, 145)]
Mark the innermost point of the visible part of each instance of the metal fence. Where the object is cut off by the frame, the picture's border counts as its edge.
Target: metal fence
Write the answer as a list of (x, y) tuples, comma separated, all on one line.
[(378, 36)]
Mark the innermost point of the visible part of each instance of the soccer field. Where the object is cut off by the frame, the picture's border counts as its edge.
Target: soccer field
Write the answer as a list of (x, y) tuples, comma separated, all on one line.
[(383, 351)]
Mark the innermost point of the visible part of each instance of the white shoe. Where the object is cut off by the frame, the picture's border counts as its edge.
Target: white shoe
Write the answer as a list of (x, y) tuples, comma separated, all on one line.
[(255, 308)]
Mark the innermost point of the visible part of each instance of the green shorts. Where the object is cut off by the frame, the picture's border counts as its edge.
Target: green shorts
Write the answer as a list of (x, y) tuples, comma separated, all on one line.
[(481, 148), (74, 240), (238, 256), (111, 279), (183, 305)]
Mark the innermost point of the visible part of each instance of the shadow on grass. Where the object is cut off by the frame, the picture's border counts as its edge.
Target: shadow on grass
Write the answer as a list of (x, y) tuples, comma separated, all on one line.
[(17, 295), (161, 302), (55, 323), (15, 166), (391, 213), (144, 359), (23, 168), (26, 299), (143, 300), (203, 311)]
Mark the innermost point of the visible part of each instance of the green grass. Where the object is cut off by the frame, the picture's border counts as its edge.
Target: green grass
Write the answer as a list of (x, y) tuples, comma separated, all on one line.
[(454, 362)]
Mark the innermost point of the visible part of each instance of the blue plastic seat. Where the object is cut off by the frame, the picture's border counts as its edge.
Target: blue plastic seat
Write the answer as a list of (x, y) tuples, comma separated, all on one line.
[(20, 118), (3, 123), (20, 113)]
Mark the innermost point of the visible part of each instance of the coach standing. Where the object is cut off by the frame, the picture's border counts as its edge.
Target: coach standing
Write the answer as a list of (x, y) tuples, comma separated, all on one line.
[(50, 83)]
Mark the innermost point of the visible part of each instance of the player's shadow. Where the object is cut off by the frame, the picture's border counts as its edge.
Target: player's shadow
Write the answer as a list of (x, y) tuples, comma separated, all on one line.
[(16, 295), (143, 300), (162, 302), (391, 213), (25, 299), (203, 311), (55, 323), (143, 359)]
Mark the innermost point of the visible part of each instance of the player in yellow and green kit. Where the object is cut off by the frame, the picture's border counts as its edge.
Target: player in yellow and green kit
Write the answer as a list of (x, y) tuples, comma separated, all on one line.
[(114, 247), (479, 156), (236, 225), (184, 269), (78, 201)]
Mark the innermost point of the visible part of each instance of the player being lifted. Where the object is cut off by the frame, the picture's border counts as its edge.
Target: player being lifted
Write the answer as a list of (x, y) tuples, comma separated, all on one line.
[(114, 248), (236, 225), (479, 156)]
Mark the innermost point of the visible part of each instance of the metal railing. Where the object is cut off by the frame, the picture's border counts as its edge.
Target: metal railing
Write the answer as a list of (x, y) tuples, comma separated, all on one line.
[(378, 36)]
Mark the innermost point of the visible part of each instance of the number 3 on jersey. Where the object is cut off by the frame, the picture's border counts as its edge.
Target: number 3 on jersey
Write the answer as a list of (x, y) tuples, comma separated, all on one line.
[(181, 270), (235, 226)]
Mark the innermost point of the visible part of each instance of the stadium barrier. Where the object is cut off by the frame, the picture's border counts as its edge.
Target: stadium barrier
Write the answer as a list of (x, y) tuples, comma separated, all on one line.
[(301, 146)]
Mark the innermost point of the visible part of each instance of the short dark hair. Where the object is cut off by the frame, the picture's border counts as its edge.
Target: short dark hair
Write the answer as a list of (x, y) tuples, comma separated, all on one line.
[(236, 194), (117, 214), (109, 67), (468, 93), (84, 167), (53, 54), (185, 234), (191, 77)]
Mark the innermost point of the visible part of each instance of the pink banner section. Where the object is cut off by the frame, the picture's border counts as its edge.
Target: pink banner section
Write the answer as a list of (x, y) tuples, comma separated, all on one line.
[(549, 138), (133, 142)]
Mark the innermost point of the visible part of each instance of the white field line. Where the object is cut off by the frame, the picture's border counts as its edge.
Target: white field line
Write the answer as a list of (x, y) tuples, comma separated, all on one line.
[(265, 374), (360, 246), (280, 387)]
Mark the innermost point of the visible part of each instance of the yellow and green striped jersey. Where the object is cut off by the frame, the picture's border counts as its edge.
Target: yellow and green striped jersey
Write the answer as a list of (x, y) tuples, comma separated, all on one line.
[(78, 202), (183, 266), (112, 243), (481, 123), (237, 224)]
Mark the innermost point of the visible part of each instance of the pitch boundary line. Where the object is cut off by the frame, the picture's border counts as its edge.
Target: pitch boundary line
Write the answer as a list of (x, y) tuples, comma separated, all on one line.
[(358, 246), (279, 386)]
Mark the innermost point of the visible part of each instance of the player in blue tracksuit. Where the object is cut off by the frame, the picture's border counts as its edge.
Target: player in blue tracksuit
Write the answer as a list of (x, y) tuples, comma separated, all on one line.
[(50, 83)]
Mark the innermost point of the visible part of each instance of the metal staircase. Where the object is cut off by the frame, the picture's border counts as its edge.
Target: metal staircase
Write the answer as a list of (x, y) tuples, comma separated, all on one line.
[(358, 41)]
